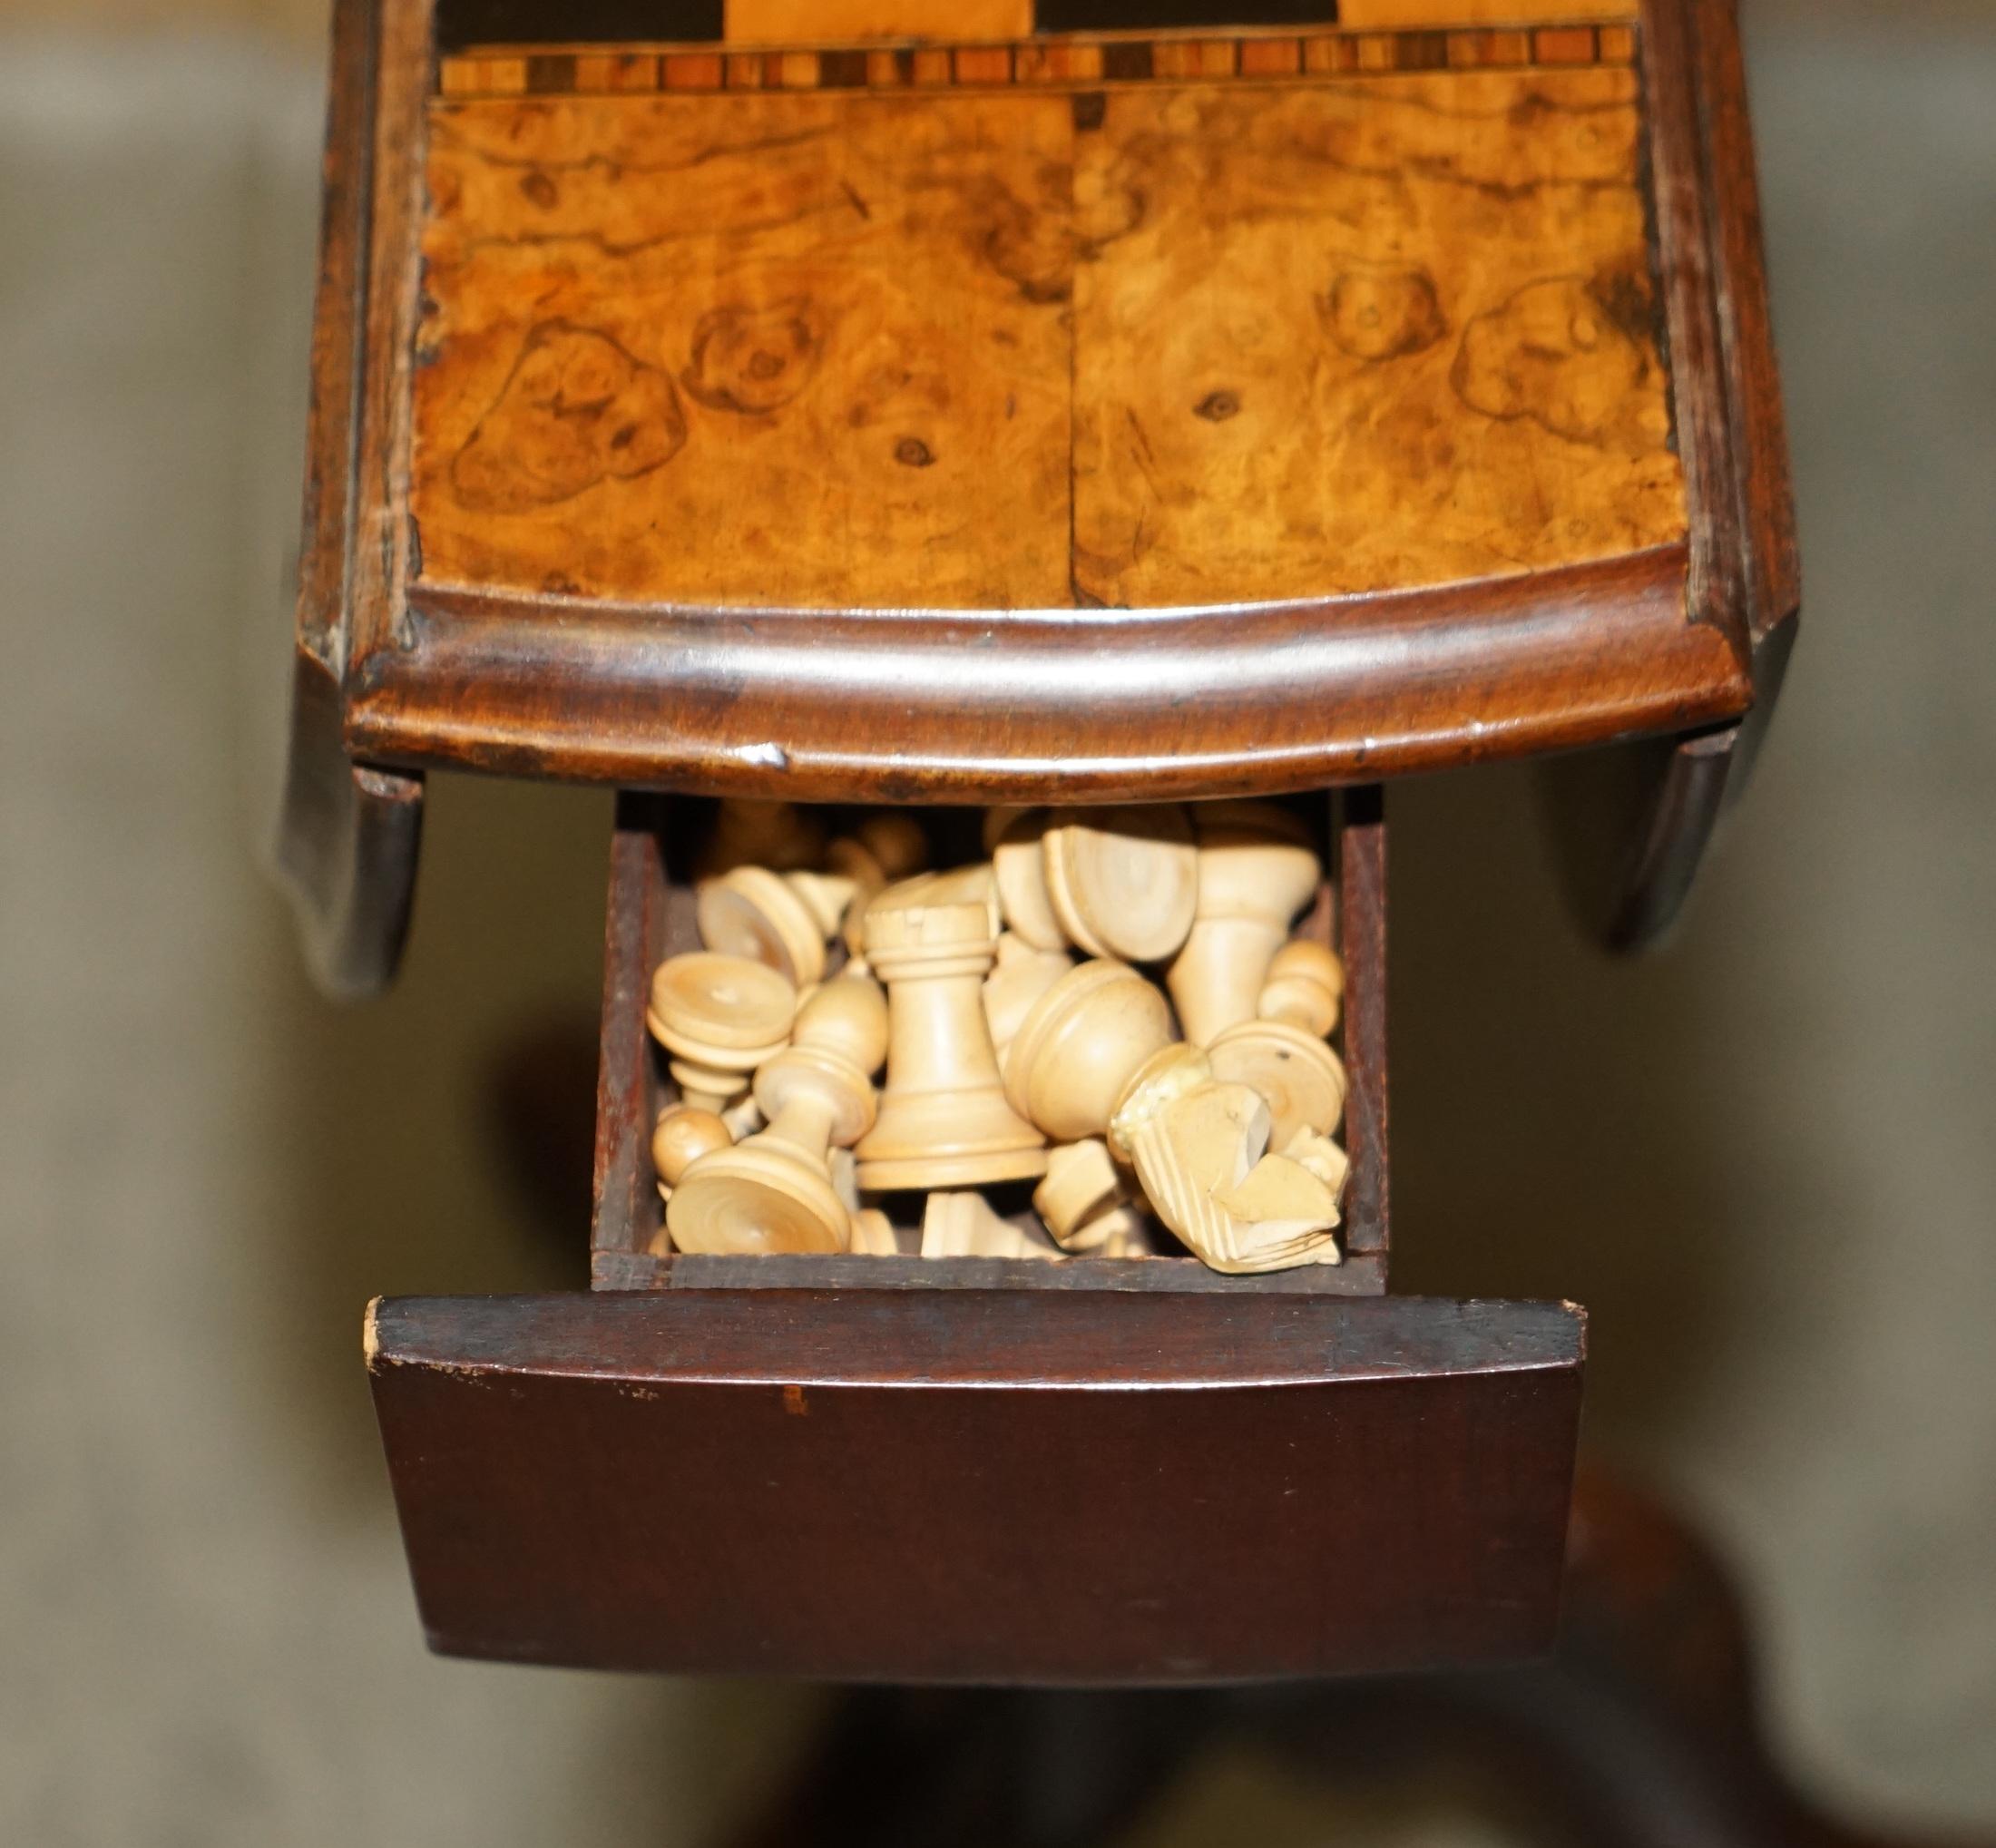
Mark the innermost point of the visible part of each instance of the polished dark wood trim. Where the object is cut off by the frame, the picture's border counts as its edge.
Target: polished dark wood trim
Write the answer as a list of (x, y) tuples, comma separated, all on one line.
[(348, 840), (1360, 892), (1361, 1274), (1667, 57), (1062, 705), (990, 1486)]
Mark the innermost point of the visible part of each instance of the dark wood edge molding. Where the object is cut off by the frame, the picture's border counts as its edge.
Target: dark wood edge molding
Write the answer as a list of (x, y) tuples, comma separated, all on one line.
[(1362, 1274), (1361, 897), (1070, 706), (915, 1337), (348, 840), (347, 833), (1631, 826), (1670, 64)]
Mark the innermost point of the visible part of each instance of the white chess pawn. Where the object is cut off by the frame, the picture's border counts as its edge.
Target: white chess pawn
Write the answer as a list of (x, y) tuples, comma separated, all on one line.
[(1122, 882), (1281, 1053), (776, 1191), (782, 919), (720, 1017)]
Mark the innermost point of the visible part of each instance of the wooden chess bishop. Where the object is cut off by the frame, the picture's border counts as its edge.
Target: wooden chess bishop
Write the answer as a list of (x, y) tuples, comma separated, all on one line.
[(1281, 1053), (775, 1192), (945, 1121), (1256, 870), (720, 1017)]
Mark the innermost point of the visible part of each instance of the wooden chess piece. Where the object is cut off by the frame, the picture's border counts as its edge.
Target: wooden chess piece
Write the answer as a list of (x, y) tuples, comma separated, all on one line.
[(720, 1017), (873, 1235), (1324, 1158), (1123, 882), (1080, 1045), (682, 1136), (748, 833), (963, 1225), (1083, 1200), (1282, 1053), (943, 1118), (775, 1192), (1018, 977), (783, 919), (1018, 860), (1199, 1151), (1256, 870), (884, 846), (1122, 1233)]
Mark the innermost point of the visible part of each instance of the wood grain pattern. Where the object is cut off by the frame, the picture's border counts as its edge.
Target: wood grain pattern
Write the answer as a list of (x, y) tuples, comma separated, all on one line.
[(1190, 1488), (1366, 336), (829, 352)]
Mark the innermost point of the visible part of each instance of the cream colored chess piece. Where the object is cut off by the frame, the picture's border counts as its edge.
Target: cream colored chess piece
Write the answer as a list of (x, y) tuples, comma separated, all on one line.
[(1084, 1200), (1282, 1053), (1123, 882), (958, 1225), (1018, 860), (887, 845), (682, 1137), (943, 1118), (775, 1192), (1323, 1158), (1018, 977), (1080, 1043), (782, 919), (873, 1233), (747, 833), (720, 1017), (1199, 1150), (1256, 870)]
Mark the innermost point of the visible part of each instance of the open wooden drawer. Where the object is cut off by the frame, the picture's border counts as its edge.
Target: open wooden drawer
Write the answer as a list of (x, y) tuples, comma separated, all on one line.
[(977, 1470)]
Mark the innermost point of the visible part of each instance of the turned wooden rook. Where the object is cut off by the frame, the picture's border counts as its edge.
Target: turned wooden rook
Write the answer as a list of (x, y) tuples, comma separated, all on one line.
[(943, 1118)]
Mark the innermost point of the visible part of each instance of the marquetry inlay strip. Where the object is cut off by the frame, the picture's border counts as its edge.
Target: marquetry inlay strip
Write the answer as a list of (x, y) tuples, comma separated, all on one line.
[(1037, 63)]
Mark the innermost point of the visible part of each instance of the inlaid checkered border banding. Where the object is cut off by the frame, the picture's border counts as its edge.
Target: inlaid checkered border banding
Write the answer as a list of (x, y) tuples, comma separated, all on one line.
[(511, 70)]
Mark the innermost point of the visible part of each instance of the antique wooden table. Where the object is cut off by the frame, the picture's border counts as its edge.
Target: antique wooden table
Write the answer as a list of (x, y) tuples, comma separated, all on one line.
[(892, 401)]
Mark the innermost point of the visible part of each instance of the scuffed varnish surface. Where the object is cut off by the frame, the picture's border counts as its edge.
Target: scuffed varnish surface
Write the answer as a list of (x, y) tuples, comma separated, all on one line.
[(1171, 343)]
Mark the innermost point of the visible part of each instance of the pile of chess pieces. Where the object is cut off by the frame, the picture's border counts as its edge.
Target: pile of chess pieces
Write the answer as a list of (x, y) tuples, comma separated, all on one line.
[(1109, 1006)]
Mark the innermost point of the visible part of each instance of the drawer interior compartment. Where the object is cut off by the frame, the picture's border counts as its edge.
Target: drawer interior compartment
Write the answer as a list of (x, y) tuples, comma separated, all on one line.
[(651, 917)]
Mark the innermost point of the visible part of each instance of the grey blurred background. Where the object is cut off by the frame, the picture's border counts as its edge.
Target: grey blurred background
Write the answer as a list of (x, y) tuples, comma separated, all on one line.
[(1766, 1160)]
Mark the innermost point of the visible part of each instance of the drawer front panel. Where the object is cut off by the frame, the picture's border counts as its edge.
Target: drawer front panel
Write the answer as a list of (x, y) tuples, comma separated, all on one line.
[(962, 1486)]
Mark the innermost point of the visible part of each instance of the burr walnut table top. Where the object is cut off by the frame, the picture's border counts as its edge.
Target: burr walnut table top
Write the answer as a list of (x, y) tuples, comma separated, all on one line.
[(914, 398)]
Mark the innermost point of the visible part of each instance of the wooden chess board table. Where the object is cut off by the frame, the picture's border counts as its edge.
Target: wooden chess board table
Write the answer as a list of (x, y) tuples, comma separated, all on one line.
[(890, 402), (971, 402)]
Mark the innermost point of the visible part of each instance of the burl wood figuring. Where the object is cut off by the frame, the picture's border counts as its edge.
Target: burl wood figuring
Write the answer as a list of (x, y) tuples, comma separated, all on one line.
[(1061, 413)]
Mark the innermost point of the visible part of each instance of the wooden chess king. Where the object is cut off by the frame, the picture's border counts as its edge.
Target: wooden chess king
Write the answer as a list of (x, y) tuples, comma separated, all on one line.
[(1042, 406)]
